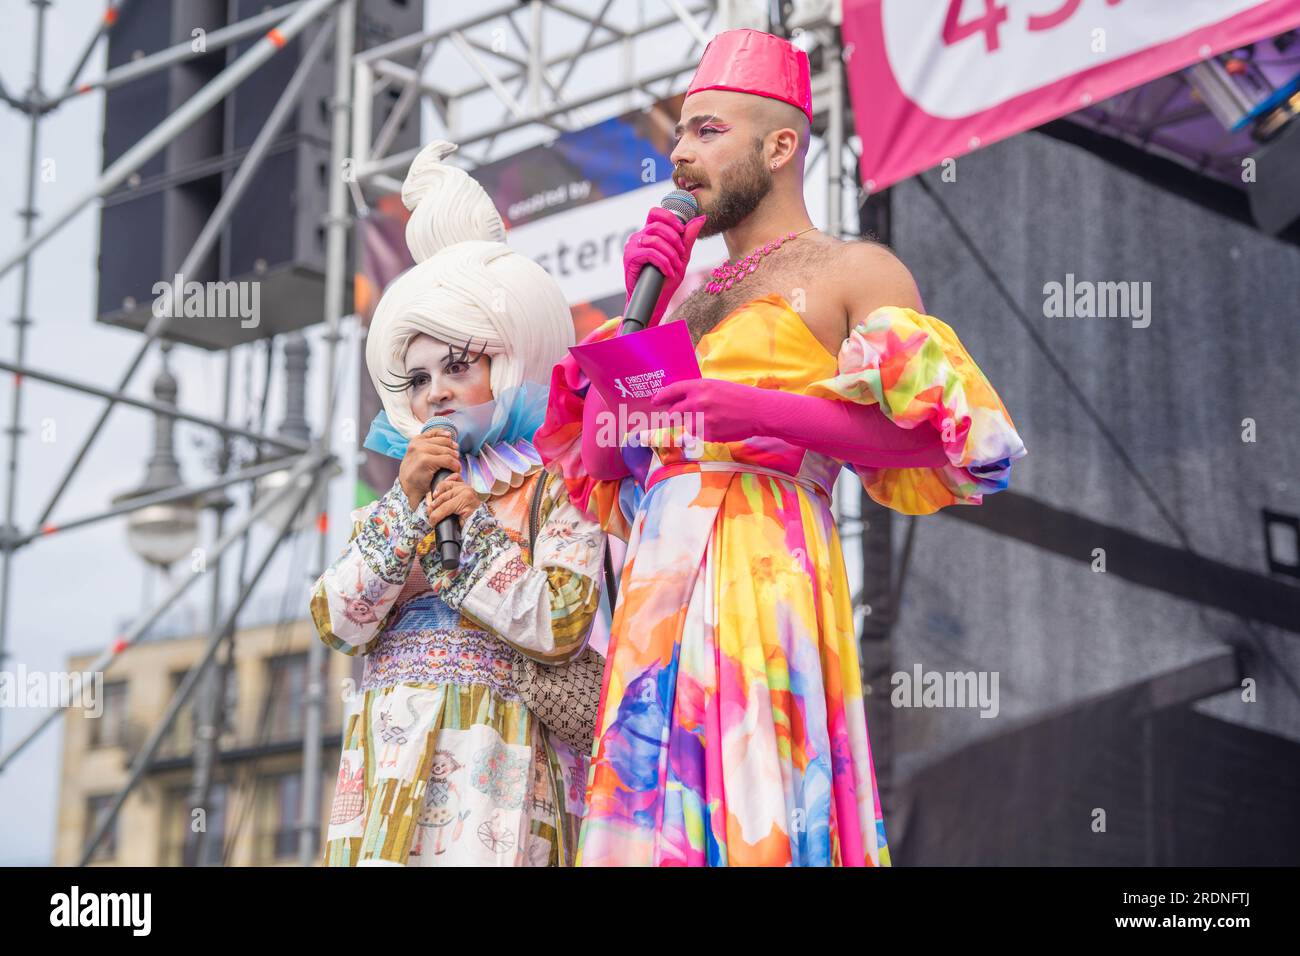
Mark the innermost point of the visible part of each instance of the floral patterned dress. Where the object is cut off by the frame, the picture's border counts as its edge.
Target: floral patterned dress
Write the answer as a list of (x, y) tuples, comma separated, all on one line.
[(731, 729), (442, 763)]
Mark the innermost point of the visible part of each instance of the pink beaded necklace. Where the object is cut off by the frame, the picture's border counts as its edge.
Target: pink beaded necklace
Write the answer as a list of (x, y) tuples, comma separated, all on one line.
[(728, 274)]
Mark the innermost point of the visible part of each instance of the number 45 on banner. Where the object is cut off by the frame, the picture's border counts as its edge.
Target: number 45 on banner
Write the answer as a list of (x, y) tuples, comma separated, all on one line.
[(955, 29)]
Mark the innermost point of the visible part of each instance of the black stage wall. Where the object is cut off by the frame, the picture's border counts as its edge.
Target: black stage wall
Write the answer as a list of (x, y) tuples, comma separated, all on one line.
[(1121, 734)]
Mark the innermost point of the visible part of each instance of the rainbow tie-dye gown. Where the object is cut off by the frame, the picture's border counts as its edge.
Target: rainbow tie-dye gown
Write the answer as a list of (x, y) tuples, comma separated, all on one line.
[(732, 730)]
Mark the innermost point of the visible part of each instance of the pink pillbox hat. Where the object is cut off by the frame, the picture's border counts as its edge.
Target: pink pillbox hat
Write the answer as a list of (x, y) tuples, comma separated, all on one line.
[(749, 61)]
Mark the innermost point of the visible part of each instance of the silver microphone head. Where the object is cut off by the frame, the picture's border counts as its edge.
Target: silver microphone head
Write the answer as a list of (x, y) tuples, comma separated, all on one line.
[(681, 204), (441, 421)]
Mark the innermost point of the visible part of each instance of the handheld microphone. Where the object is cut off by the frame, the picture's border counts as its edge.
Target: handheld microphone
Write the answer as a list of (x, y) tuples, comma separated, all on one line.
[(448, 530), (650, 281)]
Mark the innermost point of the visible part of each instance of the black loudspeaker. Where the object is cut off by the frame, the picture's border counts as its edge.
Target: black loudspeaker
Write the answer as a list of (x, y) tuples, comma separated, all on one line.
[(149, 223), (275, 236), (1275, 193)]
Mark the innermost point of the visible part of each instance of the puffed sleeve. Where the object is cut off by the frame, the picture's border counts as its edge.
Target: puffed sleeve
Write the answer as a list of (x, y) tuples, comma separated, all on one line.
[(544, 609), (353, 597), (609, 503), (915, 368)]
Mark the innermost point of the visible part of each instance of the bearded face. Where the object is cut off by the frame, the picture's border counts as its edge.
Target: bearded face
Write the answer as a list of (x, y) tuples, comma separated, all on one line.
[(719, 153), (736, 193)]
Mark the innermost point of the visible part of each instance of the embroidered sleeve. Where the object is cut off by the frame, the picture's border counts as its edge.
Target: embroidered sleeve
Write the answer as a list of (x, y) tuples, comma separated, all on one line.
[(353, 597), (545, 609)]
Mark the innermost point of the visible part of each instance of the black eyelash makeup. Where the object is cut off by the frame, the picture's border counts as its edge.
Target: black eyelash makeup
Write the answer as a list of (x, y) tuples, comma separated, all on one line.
[(402, 384), (453, 357)]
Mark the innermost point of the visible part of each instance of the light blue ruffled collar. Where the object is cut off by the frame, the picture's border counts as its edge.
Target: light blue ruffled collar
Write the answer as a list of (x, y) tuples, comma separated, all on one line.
[(495, 438)]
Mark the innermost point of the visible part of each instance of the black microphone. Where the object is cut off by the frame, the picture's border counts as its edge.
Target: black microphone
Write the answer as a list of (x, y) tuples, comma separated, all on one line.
[(448, 530), (650, 281)]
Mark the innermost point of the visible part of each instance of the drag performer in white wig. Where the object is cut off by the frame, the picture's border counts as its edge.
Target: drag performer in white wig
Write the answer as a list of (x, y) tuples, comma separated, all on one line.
[(443, 761)]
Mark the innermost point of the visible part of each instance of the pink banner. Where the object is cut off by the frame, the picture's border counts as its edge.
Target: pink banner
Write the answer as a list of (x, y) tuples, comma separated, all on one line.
[(932, 80)]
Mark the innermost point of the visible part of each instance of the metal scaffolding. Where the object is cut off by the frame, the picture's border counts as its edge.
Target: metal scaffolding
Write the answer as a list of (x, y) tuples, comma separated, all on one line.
[(531, 88), (278, 26)]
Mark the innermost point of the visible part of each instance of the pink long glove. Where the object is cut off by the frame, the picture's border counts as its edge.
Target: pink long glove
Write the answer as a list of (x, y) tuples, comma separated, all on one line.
[(857, 434), (665, 243)]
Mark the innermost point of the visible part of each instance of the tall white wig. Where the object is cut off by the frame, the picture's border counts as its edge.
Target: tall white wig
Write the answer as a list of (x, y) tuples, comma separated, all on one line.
[(467, 287)]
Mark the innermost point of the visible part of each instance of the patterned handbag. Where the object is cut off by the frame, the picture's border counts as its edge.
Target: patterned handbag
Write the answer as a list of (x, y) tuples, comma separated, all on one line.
[(564, 697)]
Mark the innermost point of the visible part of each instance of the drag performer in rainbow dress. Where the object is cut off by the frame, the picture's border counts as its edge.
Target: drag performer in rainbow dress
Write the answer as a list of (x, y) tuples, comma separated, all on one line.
[(731, 729)]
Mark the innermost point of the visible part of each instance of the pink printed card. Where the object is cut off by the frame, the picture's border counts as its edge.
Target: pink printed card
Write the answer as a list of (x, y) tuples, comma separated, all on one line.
[(629, 369)]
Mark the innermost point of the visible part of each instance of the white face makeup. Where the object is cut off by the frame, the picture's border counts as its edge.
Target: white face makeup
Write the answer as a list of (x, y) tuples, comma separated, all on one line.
[(444, 377)]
